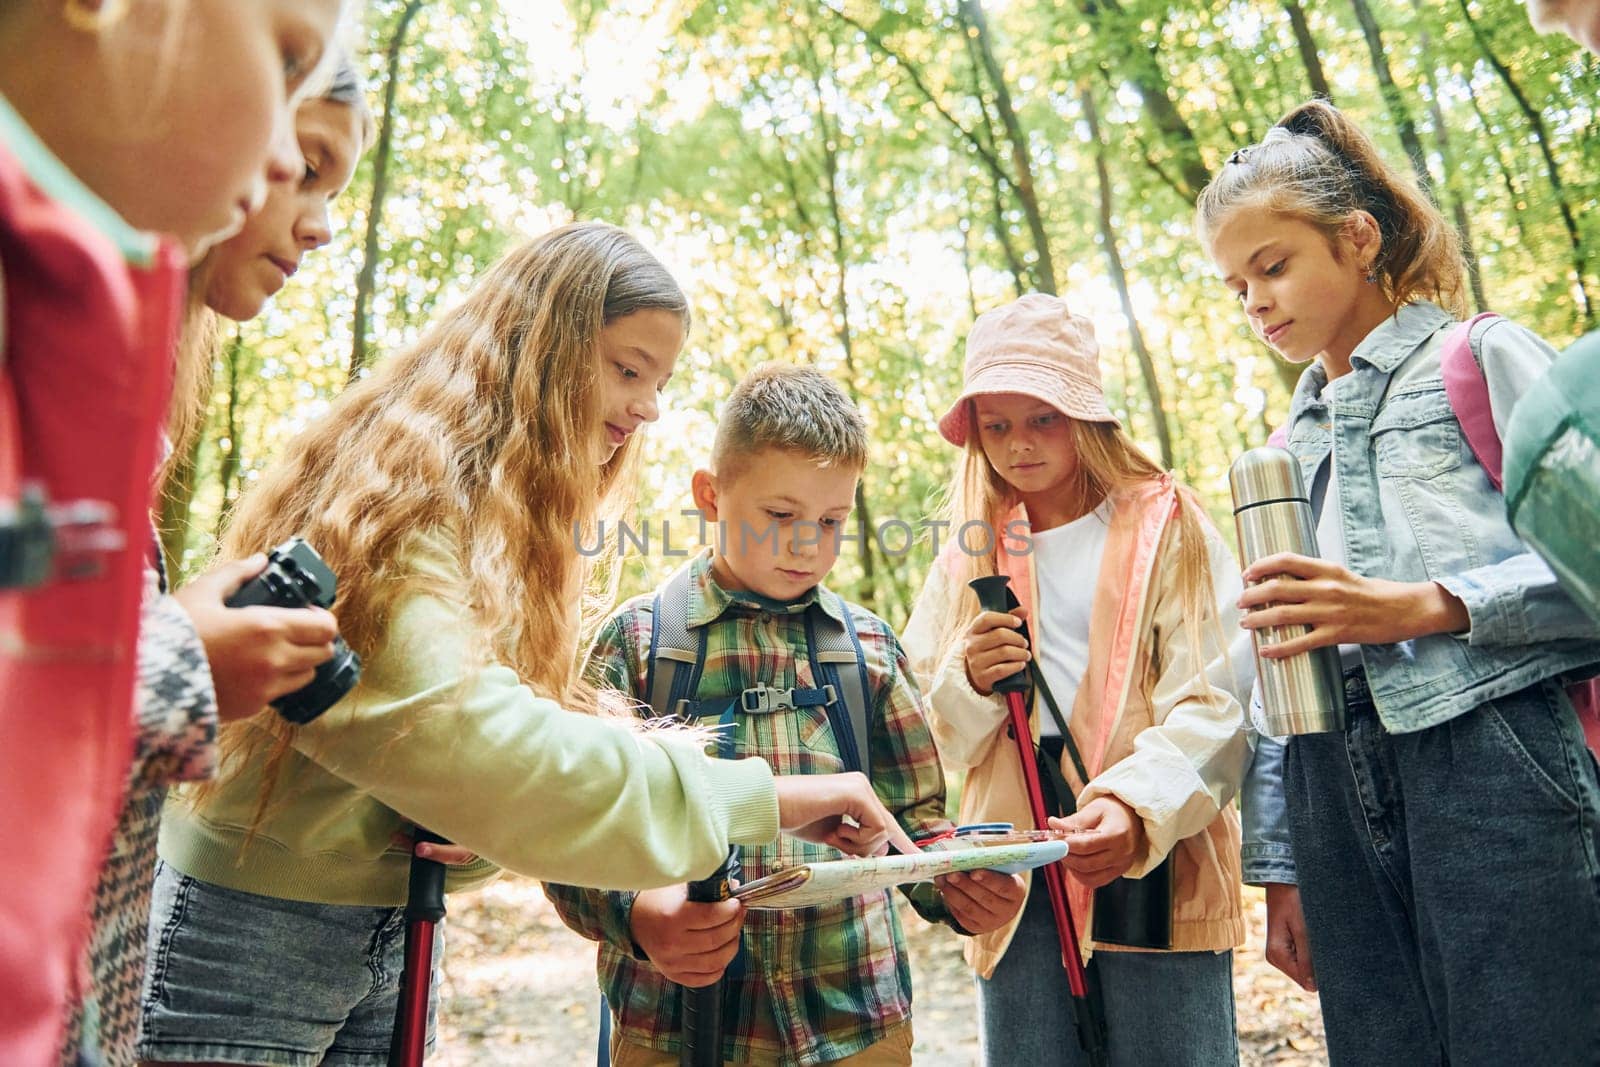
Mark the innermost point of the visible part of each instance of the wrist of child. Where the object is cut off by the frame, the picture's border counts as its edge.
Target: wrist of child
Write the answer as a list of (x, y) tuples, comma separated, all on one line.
[(1442, 611), (630, 913)]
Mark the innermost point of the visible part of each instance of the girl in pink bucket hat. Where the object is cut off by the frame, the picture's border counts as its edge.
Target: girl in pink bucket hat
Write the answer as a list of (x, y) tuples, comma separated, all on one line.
[(1128, 593)]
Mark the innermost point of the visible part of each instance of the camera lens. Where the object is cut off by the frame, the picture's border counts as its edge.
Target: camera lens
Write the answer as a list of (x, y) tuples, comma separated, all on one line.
[(333, 680)]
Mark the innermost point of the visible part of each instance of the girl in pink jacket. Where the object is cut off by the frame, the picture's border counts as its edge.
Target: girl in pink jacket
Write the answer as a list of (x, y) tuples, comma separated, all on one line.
[(1126, 590)]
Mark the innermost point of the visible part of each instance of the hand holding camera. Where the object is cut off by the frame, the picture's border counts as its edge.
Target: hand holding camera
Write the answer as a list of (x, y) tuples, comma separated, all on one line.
[(269, 636)]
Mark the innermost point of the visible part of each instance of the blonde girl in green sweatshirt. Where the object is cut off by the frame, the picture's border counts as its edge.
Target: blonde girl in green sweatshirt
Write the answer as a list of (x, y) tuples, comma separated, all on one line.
[(449, 491)]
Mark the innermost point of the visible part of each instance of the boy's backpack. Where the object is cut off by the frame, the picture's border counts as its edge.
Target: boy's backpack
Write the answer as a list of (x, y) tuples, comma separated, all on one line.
[(1468, 391), (1552, 470), (677, 658)]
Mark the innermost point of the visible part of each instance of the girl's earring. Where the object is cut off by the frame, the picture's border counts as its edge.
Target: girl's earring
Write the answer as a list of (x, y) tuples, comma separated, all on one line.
[(1372, 277), (93, 16)]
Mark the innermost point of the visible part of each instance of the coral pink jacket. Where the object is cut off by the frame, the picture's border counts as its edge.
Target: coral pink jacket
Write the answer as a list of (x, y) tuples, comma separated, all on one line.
[(87, 326), (1168, 740)]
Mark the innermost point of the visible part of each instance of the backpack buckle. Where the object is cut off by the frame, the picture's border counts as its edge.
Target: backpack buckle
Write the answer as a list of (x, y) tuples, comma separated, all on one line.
[(760, 698)]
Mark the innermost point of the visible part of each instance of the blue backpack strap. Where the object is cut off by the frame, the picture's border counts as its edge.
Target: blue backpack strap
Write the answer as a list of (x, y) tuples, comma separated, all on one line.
[(677, 660), (835, 648), (676, 657), (602, 1057)]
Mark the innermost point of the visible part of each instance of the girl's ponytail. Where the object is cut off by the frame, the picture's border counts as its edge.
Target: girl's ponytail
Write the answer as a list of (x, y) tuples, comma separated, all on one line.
[(1319, 166)]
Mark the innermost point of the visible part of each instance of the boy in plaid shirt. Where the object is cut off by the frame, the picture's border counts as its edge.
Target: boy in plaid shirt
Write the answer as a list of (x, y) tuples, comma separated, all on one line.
[(828, 984)]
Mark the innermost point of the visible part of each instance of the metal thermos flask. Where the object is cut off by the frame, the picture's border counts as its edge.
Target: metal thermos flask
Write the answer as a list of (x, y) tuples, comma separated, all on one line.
[(1303, 694)]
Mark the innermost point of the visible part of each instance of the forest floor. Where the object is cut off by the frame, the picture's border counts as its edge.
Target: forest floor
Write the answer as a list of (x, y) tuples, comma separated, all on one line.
[(519, 988)]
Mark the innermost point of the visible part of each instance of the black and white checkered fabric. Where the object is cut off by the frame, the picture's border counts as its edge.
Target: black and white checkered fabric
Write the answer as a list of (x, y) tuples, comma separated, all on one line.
[(176, 742)]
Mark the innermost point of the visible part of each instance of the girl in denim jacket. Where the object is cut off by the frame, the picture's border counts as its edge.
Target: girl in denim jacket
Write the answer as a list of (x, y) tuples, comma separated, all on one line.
[(1445, 843)]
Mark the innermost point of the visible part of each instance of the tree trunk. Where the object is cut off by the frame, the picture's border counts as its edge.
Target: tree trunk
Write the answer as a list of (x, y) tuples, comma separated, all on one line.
[(1307, 44), (966, 266), (1458, 207), (228, 461), (984, 150), (177, 502), (1552, 172), (1392, 97), (1119, 277), (971, 13), (1508, 178), (366, 281), (985, 133), (1155, 95), (865, 529)]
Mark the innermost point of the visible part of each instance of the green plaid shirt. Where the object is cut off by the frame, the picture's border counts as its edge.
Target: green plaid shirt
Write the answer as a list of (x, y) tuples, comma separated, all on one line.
[(811, 985)]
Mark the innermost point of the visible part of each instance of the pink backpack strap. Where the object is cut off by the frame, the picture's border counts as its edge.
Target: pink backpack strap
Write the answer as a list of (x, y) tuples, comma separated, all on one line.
[(1279, 438), (1468, 391)]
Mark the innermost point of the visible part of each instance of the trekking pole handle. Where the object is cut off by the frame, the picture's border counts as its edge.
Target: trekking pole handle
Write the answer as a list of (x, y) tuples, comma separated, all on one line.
[(702, 1008), (425, 889), (994, 594)]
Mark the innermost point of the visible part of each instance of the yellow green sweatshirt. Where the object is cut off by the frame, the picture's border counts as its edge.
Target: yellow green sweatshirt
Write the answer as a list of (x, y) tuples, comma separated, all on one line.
[(433, 738)]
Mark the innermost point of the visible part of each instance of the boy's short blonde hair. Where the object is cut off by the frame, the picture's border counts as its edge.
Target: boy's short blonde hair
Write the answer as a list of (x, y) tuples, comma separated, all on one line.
[(797, 409)]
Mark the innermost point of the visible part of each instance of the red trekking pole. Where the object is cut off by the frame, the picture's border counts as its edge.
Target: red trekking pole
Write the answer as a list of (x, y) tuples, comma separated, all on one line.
[(424, 909), (994, 594)]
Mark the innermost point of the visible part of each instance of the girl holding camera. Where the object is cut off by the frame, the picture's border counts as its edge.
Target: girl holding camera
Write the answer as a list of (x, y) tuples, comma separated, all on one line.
[(449, 491)]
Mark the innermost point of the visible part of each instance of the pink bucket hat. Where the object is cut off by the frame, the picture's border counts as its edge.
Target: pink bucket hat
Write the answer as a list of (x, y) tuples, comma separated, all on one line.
[(1036, 347)]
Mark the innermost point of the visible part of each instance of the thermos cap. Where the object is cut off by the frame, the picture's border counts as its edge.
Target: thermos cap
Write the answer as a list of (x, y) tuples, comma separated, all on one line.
[(1263, 474)]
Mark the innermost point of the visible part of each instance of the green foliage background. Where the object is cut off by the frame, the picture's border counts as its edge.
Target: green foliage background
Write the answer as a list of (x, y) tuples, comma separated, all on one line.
[(848, 183)]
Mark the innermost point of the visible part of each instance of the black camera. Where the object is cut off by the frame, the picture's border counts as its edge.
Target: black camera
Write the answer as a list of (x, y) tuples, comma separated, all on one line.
[(296, 577)]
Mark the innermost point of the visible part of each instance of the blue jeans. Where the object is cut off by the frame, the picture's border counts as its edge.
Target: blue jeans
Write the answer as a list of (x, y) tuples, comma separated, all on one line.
[(236, 977), (1163, 1009), (1451, 885)]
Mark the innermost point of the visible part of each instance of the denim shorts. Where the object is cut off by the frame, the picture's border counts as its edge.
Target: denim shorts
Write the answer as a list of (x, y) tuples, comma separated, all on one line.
[(235, 977)]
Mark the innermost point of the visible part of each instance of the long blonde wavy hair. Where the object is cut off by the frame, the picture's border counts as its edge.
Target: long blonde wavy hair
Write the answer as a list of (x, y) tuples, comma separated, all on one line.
[(485, 428), (1108, 462)]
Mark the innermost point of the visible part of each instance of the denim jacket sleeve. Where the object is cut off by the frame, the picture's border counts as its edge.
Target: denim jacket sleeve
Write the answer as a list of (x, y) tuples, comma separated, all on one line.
[(1265, 855), (1516, 601)]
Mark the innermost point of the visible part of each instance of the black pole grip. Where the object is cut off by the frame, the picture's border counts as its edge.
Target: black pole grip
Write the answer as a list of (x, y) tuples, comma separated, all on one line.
[(425, 890), (994, 594), (702, 1008)]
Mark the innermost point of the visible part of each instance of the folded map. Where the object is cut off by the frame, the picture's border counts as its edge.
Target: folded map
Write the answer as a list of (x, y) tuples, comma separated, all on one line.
[(810, 884)]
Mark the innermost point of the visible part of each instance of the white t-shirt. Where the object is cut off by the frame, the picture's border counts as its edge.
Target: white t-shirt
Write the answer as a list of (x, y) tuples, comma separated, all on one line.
[(1330, 528), (1066, 564)]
